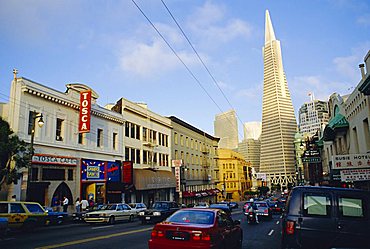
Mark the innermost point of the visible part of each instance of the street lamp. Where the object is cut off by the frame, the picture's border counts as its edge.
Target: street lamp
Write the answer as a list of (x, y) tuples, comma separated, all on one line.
[(35, 115)]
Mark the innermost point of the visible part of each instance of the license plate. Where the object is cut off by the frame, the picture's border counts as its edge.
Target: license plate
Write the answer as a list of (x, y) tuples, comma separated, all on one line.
[(147, 218)]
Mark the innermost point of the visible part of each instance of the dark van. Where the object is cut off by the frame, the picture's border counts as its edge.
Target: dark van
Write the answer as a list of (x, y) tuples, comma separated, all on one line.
[(326, 217)]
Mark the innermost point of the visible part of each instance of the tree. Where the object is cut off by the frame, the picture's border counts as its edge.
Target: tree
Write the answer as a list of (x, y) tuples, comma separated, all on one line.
[(13, 151)]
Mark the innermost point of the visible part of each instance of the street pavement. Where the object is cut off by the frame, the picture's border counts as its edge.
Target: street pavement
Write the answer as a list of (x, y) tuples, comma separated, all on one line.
[(265, 235)]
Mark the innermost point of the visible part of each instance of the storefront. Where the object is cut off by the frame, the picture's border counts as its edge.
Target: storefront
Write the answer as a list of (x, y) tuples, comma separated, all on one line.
[(208, 196), (52, 176), (151, 185)]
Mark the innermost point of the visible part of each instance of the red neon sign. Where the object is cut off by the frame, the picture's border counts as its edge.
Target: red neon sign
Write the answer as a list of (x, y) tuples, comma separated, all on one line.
[(85, 112)]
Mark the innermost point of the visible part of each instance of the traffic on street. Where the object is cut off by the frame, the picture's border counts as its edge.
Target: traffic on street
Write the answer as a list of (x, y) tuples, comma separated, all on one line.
[(131, 235)]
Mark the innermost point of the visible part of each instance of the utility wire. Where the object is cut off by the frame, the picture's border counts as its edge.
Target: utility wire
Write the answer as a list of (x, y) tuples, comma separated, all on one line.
[(174, 52), (200, 59)]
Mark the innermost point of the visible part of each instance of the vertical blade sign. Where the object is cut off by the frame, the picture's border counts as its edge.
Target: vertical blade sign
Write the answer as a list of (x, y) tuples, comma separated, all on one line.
[(85, 109)]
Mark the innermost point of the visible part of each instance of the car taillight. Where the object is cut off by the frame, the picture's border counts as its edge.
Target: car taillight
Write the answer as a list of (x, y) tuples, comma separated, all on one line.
[(157, 233), (197, 236), (266, 211), (290, 227)]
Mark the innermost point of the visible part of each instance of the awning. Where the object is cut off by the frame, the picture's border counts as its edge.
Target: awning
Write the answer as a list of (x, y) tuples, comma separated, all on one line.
[(145, 179), (338, 121)]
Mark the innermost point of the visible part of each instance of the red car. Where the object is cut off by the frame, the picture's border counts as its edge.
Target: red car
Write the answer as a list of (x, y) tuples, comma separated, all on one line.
[(197, 228)]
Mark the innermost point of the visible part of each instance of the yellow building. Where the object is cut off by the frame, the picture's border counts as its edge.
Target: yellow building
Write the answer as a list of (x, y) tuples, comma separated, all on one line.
[(234, 177)]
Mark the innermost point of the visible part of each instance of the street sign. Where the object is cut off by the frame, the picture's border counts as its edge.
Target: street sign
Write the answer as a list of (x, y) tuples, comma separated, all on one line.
[(311, 159)]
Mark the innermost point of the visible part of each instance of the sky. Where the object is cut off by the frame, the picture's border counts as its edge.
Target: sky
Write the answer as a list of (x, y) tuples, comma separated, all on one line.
[(112, 47)]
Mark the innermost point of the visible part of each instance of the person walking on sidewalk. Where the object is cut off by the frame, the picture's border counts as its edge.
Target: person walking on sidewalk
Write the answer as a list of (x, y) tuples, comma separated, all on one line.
[(65, 204), (78, 205)]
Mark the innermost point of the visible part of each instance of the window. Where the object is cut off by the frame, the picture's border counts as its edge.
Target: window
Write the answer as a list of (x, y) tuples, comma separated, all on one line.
[(80, 138), (181, 140), (132, 131), (175, 138), (115, 136), (99, 139), (127, 153), (127, 129), (137, 132), (34, 174), (70, 174), (316, 205), (58, 133), (16, 208), (34, 208), (30, 122), (133, 155), (367, 133), (145, 134), (3, 208), (137, 156), (351, 207), (53, 174)]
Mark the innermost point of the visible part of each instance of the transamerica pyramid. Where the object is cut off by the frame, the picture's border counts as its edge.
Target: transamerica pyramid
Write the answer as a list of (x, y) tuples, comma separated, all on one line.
[(278, 120)]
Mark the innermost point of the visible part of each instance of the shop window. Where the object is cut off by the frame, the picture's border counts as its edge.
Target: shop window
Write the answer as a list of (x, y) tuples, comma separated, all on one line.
[(70, 174)]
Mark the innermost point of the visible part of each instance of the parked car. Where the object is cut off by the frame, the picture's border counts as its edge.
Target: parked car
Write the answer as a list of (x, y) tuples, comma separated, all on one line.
[(233, 204), (25, 215), (326, 217), (201, 205), (56, 217), (159, 211), (3, 227), (264, 209), (111, 213), (197, 228), (138, 207), (80, 216)]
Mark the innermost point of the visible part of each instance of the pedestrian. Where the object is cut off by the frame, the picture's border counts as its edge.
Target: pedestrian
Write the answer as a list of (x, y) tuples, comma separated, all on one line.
[(55, 203), (84, 204), (65, 204), (78, 205), (91, 202)]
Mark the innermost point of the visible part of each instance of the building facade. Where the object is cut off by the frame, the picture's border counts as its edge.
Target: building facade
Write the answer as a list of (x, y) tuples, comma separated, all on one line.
[(234, 175), (198, 172), (226, 128), (147, 144), (278, 120), (313, 116), (346, 138), (59, 148)]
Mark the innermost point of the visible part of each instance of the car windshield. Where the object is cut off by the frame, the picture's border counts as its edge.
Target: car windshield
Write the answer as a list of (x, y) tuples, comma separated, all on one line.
[(192, 217), (160, 205), (109, 207)]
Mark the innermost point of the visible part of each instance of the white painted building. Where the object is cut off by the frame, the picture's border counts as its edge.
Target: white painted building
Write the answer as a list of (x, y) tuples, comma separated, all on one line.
[(58, 147)]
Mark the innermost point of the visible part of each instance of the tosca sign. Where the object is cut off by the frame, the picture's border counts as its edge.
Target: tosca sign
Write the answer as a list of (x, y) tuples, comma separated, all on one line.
[(52, 159), (85, 112)]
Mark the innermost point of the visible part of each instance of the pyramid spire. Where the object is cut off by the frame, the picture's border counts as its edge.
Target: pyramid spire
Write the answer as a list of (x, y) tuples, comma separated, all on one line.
[(269, 30)]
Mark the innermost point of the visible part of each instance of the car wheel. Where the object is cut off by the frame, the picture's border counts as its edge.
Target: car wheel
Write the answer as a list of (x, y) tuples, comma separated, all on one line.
[(131, 218), (111, 220)]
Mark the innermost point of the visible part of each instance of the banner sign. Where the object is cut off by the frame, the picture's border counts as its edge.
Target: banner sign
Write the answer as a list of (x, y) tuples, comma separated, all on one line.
[(352, 175), (351, 161), (127, 172), (93, 170), (52, 159), (114, 172), (178, 178), (85, 112), (261, 176), (176, 163)]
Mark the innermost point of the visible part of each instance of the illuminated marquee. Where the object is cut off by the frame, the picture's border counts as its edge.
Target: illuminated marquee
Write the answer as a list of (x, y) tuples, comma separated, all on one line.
[(85, 110)]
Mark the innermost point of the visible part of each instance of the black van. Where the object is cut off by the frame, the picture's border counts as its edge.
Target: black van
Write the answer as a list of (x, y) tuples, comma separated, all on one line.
[(326, 217)]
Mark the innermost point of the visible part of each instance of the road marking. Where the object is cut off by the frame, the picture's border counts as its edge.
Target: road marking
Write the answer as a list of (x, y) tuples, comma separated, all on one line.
[(271, 232), (281, 216), (277, 222), (101, 227), (75, 242)]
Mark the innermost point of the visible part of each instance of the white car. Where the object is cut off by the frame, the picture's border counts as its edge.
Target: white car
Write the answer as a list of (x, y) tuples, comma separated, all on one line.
[(138, 207), (111, 213)]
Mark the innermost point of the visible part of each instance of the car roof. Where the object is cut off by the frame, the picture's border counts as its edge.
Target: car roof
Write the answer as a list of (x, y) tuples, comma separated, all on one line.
[(327, 188), (200, 209)]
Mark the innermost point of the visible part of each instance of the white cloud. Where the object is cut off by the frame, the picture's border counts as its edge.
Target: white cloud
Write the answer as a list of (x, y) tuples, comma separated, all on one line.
[(147, 59), (364, 20), (210, 25), (255, 92)]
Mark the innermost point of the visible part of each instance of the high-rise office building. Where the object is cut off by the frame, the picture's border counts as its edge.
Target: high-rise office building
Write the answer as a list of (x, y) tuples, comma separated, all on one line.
[(313, 116), (252, 130), (278, 120), (226, 128)]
